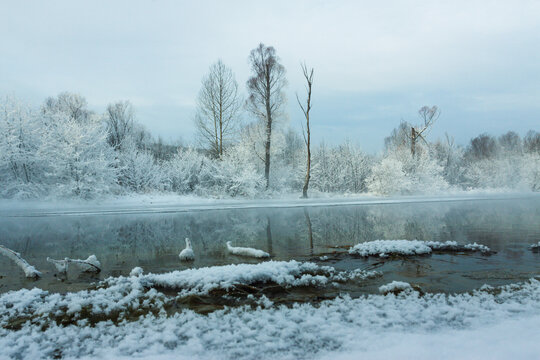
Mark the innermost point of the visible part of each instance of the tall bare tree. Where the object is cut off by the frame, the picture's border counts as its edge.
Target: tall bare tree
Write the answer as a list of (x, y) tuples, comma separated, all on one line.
[(428, 115), (218, 106), (308, 75), (265, 88), (119, 119)]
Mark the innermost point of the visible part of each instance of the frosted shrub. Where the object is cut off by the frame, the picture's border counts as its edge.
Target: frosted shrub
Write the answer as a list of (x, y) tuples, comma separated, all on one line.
[(192, 172), (400, 173), (138, 169), (341, 169), (239, 177), (186, 170), (388, 177)]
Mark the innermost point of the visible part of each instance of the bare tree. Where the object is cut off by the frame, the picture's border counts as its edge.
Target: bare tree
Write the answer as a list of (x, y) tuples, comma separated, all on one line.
[(428, 115), (308, 75), (218, 105), (265, 88), (531, 142), (483, 146), (119, 119)]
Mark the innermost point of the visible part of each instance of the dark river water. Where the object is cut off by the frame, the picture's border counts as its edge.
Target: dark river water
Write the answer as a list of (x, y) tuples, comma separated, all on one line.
[(153, 241)]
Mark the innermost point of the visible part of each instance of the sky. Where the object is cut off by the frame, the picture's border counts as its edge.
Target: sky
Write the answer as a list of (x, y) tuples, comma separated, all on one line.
[(375, 62)]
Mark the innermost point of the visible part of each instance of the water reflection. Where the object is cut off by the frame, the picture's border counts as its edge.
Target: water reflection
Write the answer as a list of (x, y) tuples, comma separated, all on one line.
[(153, 241)]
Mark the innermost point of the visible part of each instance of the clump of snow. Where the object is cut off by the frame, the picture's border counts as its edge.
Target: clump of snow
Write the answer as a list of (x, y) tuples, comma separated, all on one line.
[(385, 248), (262, 301), (29, 270), (136, 271), (356, 274), (187, 254), (454, 246), (477, 247), (245, 251), (395, 287), (477, 325)]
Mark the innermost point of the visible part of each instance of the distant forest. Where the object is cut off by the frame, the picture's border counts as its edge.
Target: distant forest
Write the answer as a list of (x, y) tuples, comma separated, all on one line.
[(64, 150)]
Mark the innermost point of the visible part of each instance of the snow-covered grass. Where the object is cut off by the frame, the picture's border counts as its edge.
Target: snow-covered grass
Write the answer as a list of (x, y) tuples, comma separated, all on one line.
[(385, 248), (486, 324), (120, 297)]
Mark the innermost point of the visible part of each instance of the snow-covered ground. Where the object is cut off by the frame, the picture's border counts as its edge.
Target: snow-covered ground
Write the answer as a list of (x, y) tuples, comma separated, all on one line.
[(163, 203), (486, 324)]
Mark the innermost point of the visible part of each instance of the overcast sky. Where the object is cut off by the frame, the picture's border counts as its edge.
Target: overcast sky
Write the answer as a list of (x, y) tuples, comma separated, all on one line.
[(376, 62)]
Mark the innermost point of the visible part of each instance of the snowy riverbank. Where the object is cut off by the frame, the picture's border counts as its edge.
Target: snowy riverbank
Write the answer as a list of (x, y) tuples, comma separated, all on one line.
[(142, 203), (490, 323)]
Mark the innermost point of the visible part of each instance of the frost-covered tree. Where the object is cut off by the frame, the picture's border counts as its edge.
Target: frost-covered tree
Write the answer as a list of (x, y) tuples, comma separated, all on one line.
[(218, 107), (266, 98), (119, 120), (78, 160), (483, 146), (19, 142), (531, 142), (510, 143), (74, 106)]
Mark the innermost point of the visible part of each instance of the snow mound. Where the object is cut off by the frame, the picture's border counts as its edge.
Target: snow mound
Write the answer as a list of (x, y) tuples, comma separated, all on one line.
[(245, 251), (479, 325), (385, 248), (136, 271), (394, 287)]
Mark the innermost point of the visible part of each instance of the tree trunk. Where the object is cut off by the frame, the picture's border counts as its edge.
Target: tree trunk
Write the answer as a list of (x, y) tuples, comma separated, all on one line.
[(268, 129), (308, 171), (413, 142)]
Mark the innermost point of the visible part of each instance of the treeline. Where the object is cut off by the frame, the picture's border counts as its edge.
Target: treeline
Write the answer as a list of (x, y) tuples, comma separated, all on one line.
[(62, 149)]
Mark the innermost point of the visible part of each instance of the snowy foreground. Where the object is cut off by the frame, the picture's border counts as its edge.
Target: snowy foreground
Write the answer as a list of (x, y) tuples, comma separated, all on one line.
[(124, 317)]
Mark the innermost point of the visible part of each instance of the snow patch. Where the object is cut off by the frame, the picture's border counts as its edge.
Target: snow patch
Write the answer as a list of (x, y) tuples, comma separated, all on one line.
[(385, 248)]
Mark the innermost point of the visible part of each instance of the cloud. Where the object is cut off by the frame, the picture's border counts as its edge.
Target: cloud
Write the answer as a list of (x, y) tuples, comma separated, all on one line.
[(372, 60)]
